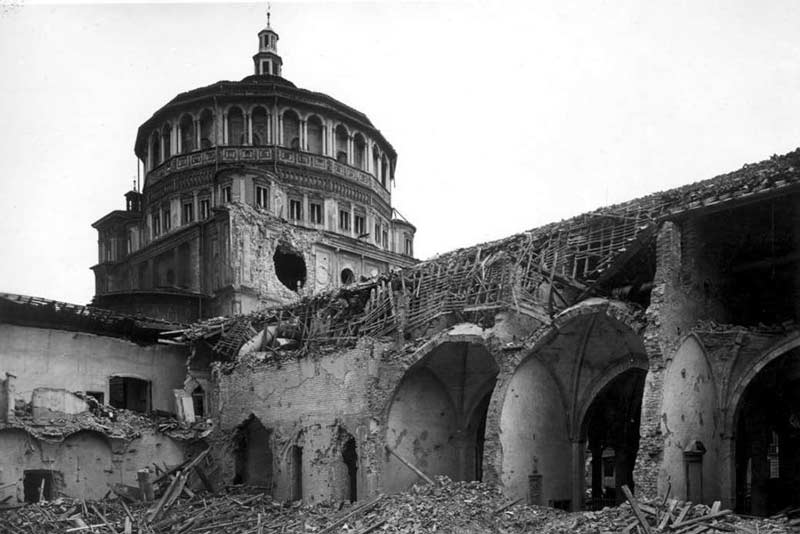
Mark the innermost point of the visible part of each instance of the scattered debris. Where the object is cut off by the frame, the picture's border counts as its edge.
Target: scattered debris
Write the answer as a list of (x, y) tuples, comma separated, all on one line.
[(445, 506)]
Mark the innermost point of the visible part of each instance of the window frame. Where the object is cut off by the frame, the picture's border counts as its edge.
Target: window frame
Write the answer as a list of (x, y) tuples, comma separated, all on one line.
[(319, 218), (344, 219), (295, 208)]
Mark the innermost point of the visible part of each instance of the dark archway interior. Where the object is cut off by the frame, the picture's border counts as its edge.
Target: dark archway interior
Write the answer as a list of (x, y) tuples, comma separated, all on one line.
[(612, 435), (253, 455), (768, 439), (296, 469), (479, 424), (290, 267), (350, 458), (38, 485)]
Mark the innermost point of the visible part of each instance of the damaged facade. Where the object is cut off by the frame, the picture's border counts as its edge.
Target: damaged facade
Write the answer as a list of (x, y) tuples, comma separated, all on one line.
[(255, 192), (652, 343)]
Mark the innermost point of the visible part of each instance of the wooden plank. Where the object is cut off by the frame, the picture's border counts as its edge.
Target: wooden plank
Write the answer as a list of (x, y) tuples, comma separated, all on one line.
[(682, 513), (411, 466), (701, 519), (673, 503), (636, 510)]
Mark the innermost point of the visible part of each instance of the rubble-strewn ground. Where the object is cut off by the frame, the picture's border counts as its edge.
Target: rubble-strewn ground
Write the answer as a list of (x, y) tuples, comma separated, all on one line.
[(450, 507)]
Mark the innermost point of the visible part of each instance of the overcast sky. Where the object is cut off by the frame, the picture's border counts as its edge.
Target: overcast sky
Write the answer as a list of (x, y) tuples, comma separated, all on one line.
[(505, 116)]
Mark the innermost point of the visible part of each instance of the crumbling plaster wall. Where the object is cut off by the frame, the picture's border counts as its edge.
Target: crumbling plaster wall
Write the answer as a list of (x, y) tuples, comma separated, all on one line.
[(254, 237), (76, 361), (85, 462), (304, 402)]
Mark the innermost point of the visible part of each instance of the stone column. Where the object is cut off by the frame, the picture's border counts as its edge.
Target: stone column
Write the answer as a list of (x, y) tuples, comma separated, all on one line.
[(249, 126), (197, 134), (578, 465), (350, 155)]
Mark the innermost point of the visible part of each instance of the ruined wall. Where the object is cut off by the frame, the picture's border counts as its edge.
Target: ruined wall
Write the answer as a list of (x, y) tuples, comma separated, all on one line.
[(83, 464), (305, 403), (77, 361)]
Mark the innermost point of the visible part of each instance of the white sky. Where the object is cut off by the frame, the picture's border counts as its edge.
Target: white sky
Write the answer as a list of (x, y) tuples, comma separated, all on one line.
[(505, 116)]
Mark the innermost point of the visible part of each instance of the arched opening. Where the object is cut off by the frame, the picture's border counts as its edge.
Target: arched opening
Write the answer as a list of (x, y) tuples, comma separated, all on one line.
[(290, 267), (340, 143), (206, 129), (360, 151), (384, 170), (166, 138), (347, 276), (562, 389), (291, 130), (314, 127), (236, 134), (350, 461), (253, 454), (437, 415), (187, 133), (611, 433), (767, 447), (260, 126), (155, 148)]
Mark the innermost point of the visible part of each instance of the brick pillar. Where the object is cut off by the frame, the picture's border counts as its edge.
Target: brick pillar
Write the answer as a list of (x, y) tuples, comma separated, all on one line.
[(651, 443)]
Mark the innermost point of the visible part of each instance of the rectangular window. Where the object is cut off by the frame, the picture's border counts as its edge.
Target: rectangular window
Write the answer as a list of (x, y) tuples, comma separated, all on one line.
[(360, 224), (377, 235), (262, 197), (385, 238), (295, 209), (167, 220), (205, 209), (129, 393), (316, 213), (226, 194), (188, 213), (156, 220), (344, 220)]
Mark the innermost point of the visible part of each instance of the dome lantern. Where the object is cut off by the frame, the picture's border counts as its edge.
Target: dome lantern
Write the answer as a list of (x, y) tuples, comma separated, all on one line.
[(267, 61)]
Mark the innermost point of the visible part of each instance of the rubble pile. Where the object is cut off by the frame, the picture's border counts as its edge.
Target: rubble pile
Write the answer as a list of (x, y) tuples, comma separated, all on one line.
[(672, 516), (446, 506)]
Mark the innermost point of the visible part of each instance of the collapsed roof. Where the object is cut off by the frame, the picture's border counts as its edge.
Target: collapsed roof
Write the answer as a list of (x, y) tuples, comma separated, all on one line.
[(538, 272)]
